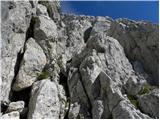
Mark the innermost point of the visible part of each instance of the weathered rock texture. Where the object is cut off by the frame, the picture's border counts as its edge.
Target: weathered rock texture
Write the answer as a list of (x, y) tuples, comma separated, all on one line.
[(67, 66), (44, 101)]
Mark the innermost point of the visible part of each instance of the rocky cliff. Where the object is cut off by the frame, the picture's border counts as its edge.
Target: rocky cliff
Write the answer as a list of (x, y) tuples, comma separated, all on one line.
[(67, 66)]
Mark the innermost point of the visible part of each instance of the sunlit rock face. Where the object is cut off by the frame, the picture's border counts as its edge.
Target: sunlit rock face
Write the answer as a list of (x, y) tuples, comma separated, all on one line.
[(68, 66)]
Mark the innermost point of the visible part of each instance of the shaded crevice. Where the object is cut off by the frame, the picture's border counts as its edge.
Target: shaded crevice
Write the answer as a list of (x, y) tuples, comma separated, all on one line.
[(88, 99), (30, 30), (63, 82), (32, 4), (4, 106), (141, 72), (69, 61), (23, 95), (87, 34), (68, 44)]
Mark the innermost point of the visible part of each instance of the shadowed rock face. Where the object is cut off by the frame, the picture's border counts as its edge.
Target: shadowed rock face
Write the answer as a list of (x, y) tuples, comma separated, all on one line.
[(68, 66)]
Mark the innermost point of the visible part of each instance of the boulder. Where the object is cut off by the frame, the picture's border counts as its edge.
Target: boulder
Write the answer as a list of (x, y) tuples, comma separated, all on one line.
[(149, 103), (32, 64), (11, 115), (44, 102), (45, 34), (41, 10), (124, 110), (16, 106)]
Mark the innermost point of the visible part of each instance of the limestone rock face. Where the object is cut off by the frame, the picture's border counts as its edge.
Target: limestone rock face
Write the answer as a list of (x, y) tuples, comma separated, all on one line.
[(125, 110), (15, 22), (75, 34), (31, 66), (44, 102), (45, 33), (79, 103), (16, 106), (11, 115), (52, 8), (76, 67), (41, 10), (140, 42), (149, 103)]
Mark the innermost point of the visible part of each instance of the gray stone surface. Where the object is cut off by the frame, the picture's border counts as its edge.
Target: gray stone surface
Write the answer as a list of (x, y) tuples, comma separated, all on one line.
[(31, 66), (79, 104), (149, 103), (16, 106), (11, 115), (45, 33), (44, 101), (41, 10), (140, 42), (13, 37), (127, 111)]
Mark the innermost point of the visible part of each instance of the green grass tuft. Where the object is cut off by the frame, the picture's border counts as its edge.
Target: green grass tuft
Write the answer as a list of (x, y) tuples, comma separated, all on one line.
[(133, 100), (43, 75), (146, 89)]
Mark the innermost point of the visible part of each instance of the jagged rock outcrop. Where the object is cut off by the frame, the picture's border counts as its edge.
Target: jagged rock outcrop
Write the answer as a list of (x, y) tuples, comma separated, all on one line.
[(68, 66)]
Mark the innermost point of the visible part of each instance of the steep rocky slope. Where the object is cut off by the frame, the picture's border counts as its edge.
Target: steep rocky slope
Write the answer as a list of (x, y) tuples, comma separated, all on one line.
[(67, 66)]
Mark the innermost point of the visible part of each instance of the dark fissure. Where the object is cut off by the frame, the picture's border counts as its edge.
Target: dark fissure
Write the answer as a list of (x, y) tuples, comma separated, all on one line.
[(30, 30), (87, 34), (23, 95), (63, 82), (4, 106)]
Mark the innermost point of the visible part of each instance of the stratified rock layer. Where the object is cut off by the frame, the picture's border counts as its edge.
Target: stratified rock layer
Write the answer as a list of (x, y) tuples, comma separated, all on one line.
[(67, 66)]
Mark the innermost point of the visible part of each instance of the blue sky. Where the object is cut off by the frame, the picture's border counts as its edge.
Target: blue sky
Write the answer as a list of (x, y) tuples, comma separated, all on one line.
[(136, 10)]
